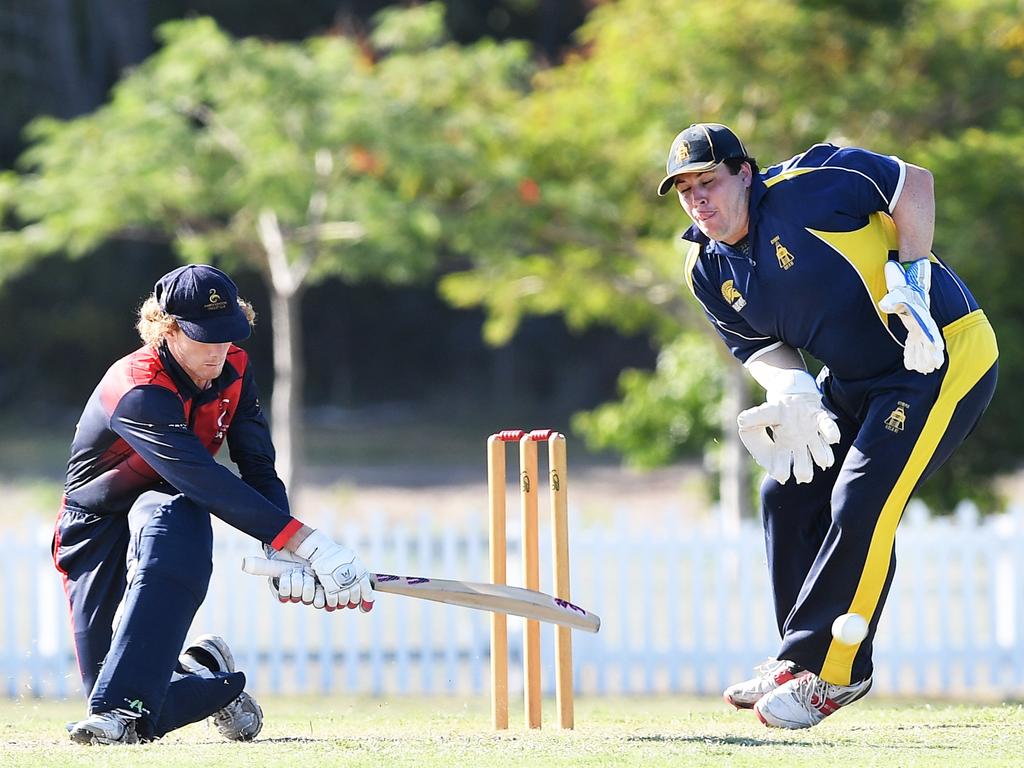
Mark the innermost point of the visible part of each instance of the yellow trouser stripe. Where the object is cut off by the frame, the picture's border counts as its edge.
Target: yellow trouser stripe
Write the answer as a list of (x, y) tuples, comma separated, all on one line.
[(971, 345)]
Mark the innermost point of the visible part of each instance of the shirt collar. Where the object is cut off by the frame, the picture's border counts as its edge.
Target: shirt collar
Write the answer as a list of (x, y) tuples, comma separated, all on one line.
[(183, 381)]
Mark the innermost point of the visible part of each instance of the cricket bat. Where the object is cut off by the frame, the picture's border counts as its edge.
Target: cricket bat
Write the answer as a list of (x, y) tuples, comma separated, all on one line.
[(497, 598)]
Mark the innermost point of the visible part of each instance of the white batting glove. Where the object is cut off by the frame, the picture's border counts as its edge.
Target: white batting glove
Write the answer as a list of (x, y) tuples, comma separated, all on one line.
[(345, 579), (802, 432), (908, 286), (298, 585)]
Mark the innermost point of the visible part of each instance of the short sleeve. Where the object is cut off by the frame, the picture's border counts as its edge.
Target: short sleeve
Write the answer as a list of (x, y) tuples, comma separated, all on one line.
[(871, 182)]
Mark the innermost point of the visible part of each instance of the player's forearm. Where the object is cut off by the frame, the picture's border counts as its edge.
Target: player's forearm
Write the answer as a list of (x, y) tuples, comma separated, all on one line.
[(771, 368), (914, 214)]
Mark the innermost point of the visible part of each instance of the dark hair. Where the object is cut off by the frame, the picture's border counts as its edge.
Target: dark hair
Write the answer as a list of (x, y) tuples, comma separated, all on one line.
[(734, 163)]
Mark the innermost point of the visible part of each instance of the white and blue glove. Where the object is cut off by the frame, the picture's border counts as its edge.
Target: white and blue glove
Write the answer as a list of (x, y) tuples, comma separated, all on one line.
[(908, 286), (802, 432)]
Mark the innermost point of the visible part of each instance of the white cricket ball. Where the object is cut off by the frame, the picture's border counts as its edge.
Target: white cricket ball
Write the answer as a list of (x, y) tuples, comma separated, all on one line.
[(850, 628)]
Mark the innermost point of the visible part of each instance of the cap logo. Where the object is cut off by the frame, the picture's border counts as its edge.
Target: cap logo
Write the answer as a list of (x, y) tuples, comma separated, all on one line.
[(683, 152), (215, 302)]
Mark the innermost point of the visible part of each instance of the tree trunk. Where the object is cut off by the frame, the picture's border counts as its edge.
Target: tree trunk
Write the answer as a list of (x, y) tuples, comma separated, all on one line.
[(734, 480), (287, 402), (287, 284)]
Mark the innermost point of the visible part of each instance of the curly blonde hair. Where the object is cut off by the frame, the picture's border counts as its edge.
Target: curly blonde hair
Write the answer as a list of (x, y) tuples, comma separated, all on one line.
[(154, 324)]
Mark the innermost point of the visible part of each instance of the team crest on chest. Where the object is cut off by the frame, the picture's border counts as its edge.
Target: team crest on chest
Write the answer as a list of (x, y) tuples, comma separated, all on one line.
[(898, 418), (782, 253), (223, 420), (732, 295)]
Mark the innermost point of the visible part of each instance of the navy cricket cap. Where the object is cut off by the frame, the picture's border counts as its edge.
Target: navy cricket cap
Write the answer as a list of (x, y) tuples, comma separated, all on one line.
[(204, 301), (700, 148)]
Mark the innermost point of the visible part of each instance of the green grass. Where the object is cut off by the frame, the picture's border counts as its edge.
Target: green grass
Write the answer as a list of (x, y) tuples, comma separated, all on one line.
[(446, 731)]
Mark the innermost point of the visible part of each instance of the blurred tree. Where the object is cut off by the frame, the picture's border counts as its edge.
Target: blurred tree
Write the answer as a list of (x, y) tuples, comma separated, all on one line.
[(363, 159), (592, 241), (979, 180)]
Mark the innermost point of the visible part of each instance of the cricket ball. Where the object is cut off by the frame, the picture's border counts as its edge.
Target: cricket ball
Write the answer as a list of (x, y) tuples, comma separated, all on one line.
[(850, 628)]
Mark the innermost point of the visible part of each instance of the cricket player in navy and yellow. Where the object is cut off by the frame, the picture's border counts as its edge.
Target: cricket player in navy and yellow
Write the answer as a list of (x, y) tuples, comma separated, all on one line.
[(831, 252), (133, 540)]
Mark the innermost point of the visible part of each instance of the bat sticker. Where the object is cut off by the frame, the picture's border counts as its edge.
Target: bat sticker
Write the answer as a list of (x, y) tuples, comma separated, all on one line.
[(569, 606)]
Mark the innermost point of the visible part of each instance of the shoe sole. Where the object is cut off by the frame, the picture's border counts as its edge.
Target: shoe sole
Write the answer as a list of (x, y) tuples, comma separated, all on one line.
[(760, 717), (738, 704), (90, 738)]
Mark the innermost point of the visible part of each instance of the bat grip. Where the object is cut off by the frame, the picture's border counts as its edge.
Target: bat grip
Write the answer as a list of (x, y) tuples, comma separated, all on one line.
[(261, 566)]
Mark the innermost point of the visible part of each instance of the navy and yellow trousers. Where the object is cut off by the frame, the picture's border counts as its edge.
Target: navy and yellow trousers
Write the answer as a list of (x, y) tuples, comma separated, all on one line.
[(831, 542)]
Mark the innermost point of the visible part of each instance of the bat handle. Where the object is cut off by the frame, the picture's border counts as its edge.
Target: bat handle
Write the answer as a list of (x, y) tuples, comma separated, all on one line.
[(260, 566)]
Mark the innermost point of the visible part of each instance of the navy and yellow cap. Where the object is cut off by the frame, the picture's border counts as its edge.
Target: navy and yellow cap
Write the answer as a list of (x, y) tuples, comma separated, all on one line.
[(700, 148), (204, 301)]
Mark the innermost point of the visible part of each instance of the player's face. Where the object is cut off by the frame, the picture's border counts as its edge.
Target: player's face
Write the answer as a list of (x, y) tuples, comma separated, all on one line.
[(717, 201), (202, 362)]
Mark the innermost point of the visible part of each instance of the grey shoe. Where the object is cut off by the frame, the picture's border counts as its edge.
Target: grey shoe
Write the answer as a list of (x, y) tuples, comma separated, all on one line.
[(242, 719), (115, 727)]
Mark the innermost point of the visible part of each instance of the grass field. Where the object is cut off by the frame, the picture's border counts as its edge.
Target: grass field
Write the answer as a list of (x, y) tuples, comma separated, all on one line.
[(350, 732)]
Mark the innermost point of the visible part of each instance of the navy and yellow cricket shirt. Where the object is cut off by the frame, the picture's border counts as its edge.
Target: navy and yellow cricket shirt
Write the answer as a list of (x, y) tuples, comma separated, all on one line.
[(820, 233)]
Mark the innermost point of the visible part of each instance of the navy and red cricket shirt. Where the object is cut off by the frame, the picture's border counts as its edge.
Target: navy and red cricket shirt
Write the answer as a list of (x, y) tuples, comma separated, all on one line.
[(147, 425)]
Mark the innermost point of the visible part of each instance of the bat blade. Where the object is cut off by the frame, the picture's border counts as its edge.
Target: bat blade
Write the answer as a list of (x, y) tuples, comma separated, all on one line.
[(497, 598)]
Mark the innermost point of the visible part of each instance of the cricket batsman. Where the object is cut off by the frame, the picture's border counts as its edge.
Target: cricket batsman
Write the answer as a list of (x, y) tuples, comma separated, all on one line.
[(133, 541), (831, 252)]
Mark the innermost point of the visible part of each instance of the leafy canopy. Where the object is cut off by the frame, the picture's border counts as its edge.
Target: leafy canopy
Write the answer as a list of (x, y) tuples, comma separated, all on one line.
[(370, 154)]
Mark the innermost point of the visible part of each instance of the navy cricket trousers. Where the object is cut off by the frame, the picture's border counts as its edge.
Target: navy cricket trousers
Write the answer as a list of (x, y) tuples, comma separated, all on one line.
[(151, 567), (831, 542)]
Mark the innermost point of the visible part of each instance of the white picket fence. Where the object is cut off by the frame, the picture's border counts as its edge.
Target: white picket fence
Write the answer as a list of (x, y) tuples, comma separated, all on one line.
[(685, 608)]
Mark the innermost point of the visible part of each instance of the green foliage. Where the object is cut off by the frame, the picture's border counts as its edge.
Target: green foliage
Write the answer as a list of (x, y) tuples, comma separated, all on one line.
[(412, 29), (370, 162), (663, 415)]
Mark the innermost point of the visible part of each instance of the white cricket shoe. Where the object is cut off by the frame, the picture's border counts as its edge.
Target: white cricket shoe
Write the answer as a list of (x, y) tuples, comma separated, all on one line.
[(115, 727), (806, 701), (767, 677), (240, 720)]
